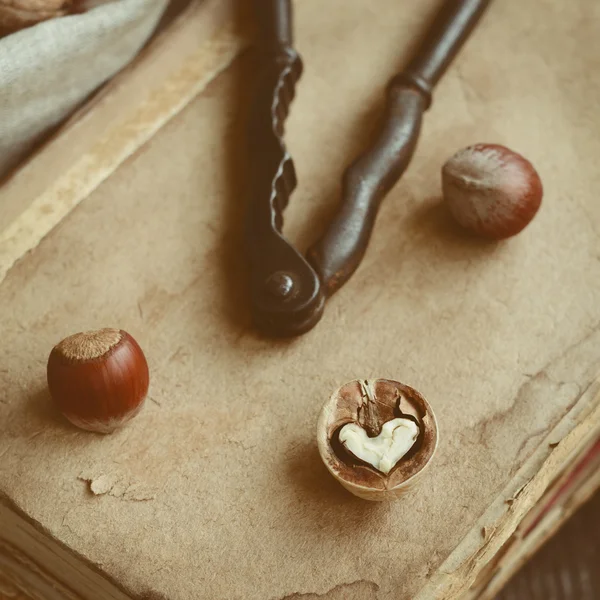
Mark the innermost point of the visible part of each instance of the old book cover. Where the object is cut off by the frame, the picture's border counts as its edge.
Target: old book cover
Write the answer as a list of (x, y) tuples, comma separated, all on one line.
[(216, 490)]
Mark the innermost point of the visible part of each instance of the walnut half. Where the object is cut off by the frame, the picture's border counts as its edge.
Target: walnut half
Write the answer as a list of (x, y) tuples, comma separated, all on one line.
[(376, 437), (19, 14)]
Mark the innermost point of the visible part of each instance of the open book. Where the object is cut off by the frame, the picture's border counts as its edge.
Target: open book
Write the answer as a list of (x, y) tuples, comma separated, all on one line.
[(216, 490)]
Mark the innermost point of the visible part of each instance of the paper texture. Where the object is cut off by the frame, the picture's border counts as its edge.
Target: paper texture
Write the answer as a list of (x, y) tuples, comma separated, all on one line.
[(47, 70), (503, 340)]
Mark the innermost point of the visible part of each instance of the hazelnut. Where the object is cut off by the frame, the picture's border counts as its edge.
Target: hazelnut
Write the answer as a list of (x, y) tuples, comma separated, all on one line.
[(98, 379), (491, 190), (376, 436)]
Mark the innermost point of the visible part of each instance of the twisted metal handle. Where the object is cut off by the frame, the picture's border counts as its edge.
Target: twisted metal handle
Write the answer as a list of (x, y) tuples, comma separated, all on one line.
[(288, 292)]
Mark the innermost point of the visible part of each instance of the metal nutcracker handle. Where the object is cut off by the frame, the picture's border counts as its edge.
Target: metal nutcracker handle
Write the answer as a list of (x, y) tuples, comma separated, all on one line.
[(288, 291)]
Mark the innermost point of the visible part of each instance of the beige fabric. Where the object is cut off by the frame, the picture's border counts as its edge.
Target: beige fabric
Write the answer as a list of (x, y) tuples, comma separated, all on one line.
[(503, 340), (47, 70)]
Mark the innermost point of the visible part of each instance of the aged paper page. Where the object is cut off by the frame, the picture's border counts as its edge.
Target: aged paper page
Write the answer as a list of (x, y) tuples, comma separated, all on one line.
[(216, 490)]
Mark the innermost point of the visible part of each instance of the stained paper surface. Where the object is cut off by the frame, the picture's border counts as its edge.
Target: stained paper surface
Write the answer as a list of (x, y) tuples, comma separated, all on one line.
[(502, 340)]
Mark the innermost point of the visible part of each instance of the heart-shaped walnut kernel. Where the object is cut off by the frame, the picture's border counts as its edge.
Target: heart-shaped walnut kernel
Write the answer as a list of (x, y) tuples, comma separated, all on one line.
[(376, 437), (397, 437)]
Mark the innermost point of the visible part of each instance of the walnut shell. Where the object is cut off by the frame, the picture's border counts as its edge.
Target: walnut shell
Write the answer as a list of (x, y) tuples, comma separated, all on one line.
[(392, 399), (19, 14)]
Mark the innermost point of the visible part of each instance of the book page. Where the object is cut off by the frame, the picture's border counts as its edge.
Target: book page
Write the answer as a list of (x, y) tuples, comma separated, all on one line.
[(216, 489)]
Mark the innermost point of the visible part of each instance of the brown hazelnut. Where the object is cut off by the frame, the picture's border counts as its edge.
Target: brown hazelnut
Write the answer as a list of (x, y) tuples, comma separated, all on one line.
[(98, 379), (491, 190), (376, 437)]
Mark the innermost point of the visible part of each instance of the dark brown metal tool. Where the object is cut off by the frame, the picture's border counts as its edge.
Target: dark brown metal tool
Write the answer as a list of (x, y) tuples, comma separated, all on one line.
[(288, 291)]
